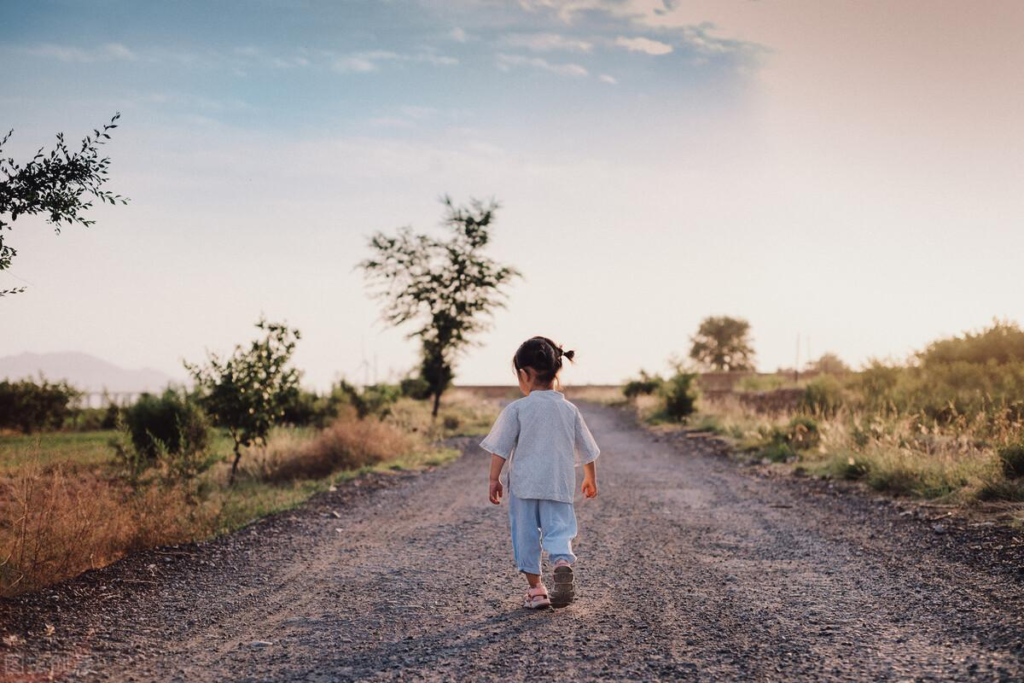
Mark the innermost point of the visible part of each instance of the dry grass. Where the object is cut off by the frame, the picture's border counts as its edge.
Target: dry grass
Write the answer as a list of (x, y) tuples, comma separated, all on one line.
[(603, 395), (57, 521), (347, 444), (897, 454)]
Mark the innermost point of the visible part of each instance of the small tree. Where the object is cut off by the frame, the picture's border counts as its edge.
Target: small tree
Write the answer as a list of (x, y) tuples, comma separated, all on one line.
[(57, 184), (447, 287), (248, 392), (830, 364), (723, 343)]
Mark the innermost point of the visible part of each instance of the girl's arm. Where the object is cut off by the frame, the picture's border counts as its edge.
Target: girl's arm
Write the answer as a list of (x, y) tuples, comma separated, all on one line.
[(589, 488), (497, 462)]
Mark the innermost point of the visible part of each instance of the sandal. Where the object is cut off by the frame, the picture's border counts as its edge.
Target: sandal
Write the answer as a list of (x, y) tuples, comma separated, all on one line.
[(565, 589), (537, 598)]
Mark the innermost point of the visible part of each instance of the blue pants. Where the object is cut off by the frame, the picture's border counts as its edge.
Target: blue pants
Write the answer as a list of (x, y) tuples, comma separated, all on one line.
[(538, 524)]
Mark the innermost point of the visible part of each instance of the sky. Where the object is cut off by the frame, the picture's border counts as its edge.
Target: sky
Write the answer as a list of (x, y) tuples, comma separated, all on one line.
[(844, 175)]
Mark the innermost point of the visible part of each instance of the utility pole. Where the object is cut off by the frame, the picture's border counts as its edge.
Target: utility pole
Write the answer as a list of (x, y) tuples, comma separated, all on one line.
[(796, 366)]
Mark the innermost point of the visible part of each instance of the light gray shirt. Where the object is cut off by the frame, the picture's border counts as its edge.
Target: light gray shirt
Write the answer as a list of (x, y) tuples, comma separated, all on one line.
[(542, 434)]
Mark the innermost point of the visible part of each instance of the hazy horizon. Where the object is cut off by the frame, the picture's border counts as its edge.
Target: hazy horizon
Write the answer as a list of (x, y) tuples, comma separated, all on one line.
[(847, 173)]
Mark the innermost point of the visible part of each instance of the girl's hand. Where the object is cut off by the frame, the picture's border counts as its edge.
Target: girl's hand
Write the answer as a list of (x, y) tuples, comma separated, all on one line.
[(496, 491), (589, 488)]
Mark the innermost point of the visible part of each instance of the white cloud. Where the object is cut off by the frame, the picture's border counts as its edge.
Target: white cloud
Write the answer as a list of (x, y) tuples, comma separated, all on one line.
[(435, 59), (547, 42), (458, 34), (107, 52), (606, 78), (119, 51), (354, 64), (645, 45), (564, 8), (507, 62), (365, 62)]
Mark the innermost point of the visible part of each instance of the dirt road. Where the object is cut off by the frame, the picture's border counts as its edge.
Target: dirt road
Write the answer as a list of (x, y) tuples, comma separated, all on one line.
[(688, 569)]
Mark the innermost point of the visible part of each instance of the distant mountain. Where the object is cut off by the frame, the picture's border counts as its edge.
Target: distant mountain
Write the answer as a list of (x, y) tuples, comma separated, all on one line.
[(83, 371)]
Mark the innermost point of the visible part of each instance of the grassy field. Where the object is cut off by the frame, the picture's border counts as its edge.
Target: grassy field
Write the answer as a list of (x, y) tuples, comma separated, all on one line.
[(72, 448), (64, 509), (963, 462)]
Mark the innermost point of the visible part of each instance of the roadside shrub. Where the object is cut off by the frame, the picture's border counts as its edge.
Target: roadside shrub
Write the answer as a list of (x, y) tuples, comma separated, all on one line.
[(348, 443), (851, 468), (29, 407), (1000, 490), (783, 443), (170, 422), (645, 385), (777, 451), (680, 393), (822, 396), (802, 433), (1012, 460)]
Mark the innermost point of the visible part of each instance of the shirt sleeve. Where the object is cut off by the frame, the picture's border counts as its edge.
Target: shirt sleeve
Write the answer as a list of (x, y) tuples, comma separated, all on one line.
[(586, 447), (504, 435)]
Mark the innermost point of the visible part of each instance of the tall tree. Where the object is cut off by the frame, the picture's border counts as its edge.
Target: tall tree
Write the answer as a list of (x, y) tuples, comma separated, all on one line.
[(60, 184), (723, 343), (447, 288)]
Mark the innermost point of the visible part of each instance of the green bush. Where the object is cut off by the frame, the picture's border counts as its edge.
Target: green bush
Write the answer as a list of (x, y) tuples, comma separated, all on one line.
[(93, 419), (680, 393), (28, 406), (975, 374), (778, 452), (802, 433), (642, 386), (169, 422), (309, 409), (415, 387), (373, 399), (851, 468), (1012, 460), (179, 456), (1000, 344), (822, 396)]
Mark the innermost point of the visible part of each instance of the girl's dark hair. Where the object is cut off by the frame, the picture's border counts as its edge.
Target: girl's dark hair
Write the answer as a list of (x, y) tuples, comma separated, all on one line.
[(543, 355)]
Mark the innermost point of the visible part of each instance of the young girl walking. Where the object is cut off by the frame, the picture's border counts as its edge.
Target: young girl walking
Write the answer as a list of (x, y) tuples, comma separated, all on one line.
[(541, 435)]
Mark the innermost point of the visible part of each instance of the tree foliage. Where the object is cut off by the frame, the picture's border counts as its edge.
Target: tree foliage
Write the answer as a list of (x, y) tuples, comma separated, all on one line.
[(830, 364), (1002, 343), (248, 392), (723, 343), (60, 184), (30, 406), (447, 288)]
